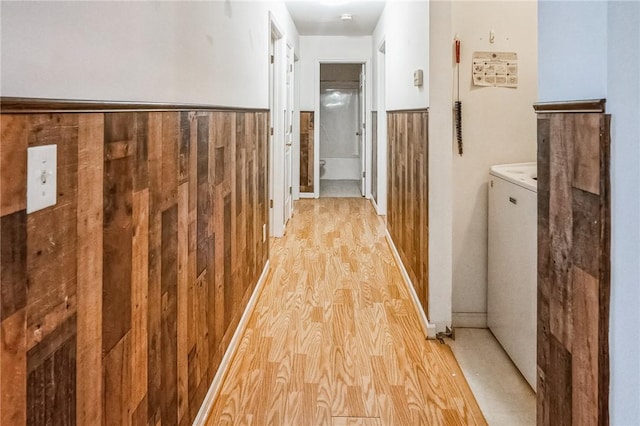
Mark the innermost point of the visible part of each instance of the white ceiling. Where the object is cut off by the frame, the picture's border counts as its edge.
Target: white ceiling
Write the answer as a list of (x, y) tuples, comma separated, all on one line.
[(322, 17)]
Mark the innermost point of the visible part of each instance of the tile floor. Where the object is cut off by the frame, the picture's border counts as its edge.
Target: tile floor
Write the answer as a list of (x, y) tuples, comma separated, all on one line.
[(504, 396), (339, 188)]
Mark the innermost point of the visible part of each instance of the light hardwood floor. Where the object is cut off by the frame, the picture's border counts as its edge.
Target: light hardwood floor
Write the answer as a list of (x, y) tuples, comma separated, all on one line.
[(335, 339)]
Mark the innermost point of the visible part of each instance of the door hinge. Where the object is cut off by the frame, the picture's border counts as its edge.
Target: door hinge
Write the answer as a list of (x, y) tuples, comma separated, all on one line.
[(364, 174), (271, 131), (289, 190), (270, 204), (271, 58)]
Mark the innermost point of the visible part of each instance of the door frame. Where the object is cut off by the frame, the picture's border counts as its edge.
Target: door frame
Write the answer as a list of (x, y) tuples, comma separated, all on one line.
[(381, 107), (362, 120), (277, 94), (289, 128), (316, 130)]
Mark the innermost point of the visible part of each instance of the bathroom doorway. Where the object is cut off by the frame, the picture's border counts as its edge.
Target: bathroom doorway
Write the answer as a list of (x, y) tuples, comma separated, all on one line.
[(342, 135)]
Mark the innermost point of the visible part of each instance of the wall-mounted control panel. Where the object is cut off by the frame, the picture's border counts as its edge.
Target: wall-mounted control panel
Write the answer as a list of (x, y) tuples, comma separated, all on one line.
[(41, 177)]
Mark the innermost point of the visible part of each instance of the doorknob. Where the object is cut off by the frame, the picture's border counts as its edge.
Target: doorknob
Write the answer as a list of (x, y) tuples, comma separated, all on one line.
[(358, 134)]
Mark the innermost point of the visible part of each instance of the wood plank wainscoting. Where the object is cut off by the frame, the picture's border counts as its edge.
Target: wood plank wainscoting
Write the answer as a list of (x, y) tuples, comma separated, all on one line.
[(573, 263), (407, 194), (374, 156), (306, 151), (118, 303)]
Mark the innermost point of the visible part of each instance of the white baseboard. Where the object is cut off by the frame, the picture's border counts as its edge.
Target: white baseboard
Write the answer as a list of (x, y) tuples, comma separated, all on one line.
[(428, 329), (307, 195), (375, 206), (216, 384), (469, 319)]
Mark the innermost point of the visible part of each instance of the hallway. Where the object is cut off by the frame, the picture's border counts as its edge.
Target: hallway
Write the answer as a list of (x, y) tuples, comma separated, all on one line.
[(334, 338)]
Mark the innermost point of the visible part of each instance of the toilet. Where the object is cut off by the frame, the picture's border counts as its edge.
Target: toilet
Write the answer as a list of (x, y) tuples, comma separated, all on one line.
[(322, 164)]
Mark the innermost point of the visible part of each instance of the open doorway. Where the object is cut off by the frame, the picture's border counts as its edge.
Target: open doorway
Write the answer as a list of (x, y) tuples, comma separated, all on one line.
[(342, 112)]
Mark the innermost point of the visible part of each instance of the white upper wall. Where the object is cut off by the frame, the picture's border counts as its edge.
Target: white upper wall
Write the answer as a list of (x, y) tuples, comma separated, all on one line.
[(623, 103), (498, 127), (326, 49), (600, 53), (575, 64), (405, 28), (377, 38), (212, 53)]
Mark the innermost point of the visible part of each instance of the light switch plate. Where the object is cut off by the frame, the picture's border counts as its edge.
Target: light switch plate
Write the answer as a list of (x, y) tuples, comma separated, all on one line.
[(417, 78), (41, 177)]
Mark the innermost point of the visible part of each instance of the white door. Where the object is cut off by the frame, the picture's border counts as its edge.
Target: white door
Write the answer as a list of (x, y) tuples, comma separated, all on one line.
[(362, 114), (277, 164), (272, 106), (288, 126)]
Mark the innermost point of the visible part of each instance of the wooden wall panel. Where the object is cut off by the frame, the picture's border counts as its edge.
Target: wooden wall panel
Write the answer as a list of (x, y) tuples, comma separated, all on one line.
[(306, 151), (374, 155), (573, 268), (119, 301), (407, 194)]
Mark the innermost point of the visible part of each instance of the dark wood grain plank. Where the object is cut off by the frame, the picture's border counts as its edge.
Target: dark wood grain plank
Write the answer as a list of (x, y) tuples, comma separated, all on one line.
[(204, 211), (118, 232), (584, 362), (307, 162), (169, 282), (239, 180), (559, 385), (141, 170), (154, 296), (227, 272), (183, 148), (586, 231), (13, 369), (170, 153), (13, 263), (14, 132), (116, 379), (51, 381), (182, 306), (139, 416), (51, 270), (586, 154), (561, 225), (89, 265), (138, 359)]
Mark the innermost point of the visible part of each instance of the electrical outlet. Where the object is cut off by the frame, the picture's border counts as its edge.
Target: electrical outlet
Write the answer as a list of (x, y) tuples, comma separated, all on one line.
[(41, 177)]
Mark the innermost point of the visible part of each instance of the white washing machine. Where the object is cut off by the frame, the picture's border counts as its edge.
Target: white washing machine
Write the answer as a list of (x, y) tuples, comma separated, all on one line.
[(512, 269)]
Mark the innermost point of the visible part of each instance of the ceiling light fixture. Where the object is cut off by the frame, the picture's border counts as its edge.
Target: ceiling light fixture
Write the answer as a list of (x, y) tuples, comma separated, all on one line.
[(346, 17)]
